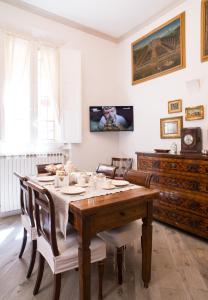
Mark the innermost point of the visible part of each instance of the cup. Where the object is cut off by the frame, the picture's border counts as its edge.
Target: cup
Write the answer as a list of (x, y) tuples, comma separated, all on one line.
[(108, 184), (81, 180)]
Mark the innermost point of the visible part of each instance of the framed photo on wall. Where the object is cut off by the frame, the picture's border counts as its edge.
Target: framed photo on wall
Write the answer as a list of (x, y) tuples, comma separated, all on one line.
[(159, 52), (170, 128), (175, 106), (204, 30), (194, 113)]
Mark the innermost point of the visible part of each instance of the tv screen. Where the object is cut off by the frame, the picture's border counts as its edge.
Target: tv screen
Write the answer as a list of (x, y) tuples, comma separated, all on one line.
[(111, 118)]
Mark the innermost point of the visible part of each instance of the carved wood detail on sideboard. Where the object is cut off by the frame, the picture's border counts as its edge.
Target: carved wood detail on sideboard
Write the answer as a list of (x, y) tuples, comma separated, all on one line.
[(183, 182)]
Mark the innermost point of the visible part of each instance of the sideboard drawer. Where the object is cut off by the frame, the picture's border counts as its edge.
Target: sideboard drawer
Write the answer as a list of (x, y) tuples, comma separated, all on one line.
[(173, 165), (181, 219), (188, 183), (196, 205)]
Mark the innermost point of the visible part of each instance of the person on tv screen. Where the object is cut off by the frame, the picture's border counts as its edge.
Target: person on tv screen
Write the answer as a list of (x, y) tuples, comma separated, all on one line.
[(111, 120)]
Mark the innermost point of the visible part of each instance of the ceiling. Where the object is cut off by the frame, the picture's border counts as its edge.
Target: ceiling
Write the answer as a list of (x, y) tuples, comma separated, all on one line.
[(114, 18)]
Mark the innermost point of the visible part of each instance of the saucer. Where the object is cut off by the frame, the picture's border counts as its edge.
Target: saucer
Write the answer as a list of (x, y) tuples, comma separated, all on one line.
[(72, 190), (120, 183), (105, 187)]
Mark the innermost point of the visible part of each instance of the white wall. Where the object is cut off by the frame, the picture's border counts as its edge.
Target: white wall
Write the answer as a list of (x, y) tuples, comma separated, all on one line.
[(150, 99), (98, 76)]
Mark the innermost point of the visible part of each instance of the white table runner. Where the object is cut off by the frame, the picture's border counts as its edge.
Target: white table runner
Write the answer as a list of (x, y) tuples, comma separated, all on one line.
[(61, 201)]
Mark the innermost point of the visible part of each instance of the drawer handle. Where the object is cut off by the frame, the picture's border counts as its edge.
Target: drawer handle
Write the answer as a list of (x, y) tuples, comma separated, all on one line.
[(173, 166), (122, 213), (194, 205)]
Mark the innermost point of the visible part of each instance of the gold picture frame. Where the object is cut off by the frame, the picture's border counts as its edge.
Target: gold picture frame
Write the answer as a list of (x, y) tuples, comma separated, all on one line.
[(170, 128), (175, 106), (194, 113), (148, 64), (204, 30)]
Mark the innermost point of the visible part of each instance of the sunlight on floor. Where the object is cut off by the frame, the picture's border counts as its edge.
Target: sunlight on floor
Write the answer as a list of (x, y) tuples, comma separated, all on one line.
[(5, 233), (19, 235)]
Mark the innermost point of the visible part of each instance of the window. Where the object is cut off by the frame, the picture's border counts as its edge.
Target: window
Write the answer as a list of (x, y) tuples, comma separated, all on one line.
[(31, 92), (47, 94)]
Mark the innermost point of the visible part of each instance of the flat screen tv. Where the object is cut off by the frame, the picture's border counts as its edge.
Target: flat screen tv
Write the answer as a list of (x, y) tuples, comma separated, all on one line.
[(111, 118)]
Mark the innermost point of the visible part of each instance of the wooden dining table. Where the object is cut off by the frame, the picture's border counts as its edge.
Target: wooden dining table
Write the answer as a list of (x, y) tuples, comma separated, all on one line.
[(91, 216)]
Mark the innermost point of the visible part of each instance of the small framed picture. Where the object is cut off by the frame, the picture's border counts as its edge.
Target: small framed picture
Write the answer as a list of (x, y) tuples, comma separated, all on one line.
[(194, 113), (175, 106), (170, 128)]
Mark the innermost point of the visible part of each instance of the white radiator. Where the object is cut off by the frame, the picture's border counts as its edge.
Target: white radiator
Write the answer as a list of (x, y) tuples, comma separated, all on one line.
[(26, 166)]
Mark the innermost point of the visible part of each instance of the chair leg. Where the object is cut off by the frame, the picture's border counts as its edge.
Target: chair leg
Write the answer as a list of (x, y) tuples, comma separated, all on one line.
[(57, 286), (40, 274), (100, 275), (120, 264), (32, 260), (24, 241)]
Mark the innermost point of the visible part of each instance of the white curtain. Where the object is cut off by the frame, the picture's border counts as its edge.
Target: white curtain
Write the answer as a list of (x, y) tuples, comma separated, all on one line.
[(2, 79), (17, 89), (29, 71)]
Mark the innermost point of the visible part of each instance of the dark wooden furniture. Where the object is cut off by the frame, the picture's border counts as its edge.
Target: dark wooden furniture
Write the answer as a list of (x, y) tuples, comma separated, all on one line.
[(41, 169), (28, 221), (46, 228), (111, 211), (124, 235), (122, 165), (108, 170), (183, 184), (141, 178)]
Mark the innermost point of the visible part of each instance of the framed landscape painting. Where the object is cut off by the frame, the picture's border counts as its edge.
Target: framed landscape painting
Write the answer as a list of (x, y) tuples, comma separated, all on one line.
[(159, 52), (194, 113), (204, 31)]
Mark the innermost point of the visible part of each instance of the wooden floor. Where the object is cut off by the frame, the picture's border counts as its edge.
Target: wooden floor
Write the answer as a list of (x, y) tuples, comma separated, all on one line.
[(179, 269)]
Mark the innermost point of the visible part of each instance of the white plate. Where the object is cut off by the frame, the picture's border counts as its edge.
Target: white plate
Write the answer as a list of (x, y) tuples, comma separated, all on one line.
[(120, 182), (45, 178), (82, 185), (105, 187), (72, 190)]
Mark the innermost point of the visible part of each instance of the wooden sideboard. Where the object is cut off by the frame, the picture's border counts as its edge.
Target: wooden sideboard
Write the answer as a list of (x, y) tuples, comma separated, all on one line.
[(183, 184)]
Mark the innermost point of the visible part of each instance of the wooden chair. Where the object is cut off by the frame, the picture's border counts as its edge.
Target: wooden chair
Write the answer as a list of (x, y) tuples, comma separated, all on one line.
[(122, 165), (108, 170), (28, 222), (61, 254), (122, 236), (41, 168)]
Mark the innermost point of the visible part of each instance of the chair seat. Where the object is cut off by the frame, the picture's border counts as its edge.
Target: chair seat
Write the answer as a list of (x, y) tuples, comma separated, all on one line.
[(68, 249), (32, 231), (123, 235)]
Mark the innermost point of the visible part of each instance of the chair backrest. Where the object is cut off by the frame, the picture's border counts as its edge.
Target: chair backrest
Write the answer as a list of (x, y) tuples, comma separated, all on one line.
[(122, 164), (44, 214), (138, 177), (41, 169), (26, 202), (108, 170)]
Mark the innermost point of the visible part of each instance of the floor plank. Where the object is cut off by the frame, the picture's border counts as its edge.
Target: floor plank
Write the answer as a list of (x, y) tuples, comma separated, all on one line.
[(179, 269)]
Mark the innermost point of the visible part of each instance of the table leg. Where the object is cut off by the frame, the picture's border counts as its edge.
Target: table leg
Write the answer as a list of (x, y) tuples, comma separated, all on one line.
[(147, 245), (84, 261)]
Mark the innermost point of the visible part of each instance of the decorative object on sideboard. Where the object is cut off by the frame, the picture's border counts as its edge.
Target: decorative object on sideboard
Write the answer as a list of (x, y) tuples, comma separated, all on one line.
[(194, 113), (159, 52), (162, 150), (191, 140), (170, 128), (173, 148), (204, 31), (175, 106), (205, 151)]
